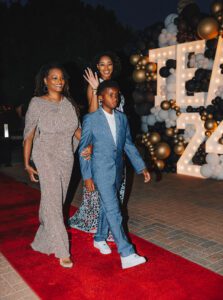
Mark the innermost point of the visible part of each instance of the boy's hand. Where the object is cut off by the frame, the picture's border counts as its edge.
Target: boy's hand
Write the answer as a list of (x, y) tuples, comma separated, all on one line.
[(87, 152), (146, 175), (89, 184)]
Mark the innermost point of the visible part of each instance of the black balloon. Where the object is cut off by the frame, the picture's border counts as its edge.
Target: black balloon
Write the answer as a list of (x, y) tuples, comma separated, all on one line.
[(190, 12), (204, 86), (190, 85), (171, 63), (189, 108), (209, 53), (220, 104), (164, 72), (212, 44), (210, 109)]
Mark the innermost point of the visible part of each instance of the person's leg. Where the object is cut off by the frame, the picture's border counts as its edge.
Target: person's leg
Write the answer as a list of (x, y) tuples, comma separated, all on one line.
[(111, 209), (51, 236)]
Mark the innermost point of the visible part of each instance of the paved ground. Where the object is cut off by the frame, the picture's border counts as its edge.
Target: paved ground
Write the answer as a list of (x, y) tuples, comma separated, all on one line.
[(181, 214)]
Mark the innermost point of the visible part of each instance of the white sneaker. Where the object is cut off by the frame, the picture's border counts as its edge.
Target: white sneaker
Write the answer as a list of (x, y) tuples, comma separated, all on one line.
[(103, 247), (132, 260)]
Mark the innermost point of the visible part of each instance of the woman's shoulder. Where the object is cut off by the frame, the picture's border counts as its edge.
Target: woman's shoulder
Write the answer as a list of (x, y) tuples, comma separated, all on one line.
[(35, 102)]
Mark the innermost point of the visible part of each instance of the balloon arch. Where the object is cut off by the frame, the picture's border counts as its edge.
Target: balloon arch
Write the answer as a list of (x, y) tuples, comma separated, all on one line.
[(179, 91)]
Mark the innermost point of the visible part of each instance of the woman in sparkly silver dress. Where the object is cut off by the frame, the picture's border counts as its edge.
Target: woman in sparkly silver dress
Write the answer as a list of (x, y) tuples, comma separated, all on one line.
[(51, 134), (107, 65)]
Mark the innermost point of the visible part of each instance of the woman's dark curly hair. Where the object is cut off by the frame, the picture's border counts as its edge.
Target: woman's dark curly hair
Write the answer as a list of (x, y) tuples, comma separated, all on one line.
[(114, 58), (40, 87)]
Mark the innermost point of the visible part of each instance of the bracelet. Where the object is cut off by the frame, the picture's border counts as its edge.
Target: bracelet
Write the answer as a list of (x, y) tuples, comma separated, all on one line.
[(95, 91)]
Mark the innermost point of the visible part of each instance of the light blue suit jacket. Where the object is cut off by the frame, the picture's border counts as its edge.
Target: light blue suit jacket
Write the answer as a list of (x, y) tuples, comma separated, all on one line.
[(106, 164)]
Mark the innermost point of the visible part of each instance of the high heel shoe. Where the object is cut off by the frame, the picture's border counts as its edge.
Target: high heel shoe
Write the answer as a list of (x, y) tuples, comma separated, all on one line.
[(66, 263)]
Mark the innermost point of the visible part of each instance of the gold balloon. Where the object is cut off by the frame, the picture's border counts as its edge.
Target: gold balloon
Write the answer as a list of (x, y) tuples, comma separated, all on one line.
[(160, 164), (154, 76), (216, 7), (134, 59), (148, 143), (210, 124), (208, 133), (151, 67), (220, 18), (179, 149), (139, 75), (175, 141), (220, 141), (209, 116), (144, 60), (165, 105), (162, 150), (203, 118), (177, 108), (178, 113), (169, 131), (207, 28), (154, 138)]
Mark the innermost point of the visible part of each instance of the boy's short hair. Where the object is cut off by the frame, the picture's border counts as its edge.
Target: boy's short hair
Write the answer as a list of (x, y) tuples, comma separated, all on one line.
[(106, 84)]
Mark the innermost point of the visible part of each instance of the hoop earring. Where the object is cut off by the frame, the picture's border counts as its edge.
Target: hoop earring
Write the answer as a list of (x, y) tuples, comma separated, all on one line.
[(45, 89)]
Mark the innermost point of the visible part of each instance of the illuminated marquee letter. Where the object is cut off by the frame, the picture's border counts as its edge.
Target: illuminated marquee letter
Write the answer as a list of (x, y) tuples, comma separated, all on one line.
[(216, 76), (185, 165), (160, 56), (212, 144), (183, 74)]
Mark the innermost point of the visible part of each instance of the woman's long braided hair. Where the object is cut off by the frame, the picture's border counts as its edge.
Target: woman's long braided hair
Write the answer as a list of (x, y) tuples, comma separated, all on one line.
[(40, 87)]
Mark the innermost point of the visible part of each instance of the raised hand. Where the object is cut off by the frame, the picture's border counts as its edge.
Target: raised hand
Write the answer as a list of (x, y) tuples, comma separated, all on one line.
[(91, 78)]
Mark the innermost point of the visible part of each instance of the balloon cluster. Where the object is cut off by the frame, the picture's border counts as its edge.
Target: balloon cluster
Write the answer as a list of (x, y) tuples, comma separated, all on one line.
[(164, 142), (204, 63), (199, 83), (168, 72), (200, 155), (167, 114), (161, 138), (213, 167), (169, 33), (144, 73)]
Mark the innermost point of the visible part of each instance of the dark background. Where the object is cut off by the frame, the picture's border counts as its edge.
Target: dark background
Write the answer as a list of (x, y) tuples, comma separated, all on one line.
[(141, 13), (35, 32)]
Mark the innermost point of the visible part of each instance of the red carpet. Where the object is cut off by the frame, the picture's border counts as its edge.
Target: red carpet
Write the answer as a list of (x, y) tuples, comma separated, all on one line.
[(165, 277)]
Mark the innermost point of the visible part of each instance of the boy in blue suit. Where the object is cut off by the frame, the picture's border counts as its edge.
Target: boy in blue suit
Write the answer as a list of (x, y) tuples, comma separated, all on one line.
[(108, 132)]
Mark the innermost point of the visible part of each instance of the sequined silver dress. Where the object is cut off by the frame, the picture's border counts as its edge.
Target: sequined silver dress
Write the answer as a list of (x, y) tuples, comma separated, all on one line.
[(53, 147)]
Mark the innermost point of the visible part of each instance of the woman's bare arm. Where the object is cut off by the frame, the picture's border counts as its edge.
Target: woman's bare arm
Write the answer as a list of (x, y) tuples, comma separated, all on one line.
[(27, 147), (92, 100), (77, 134)]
